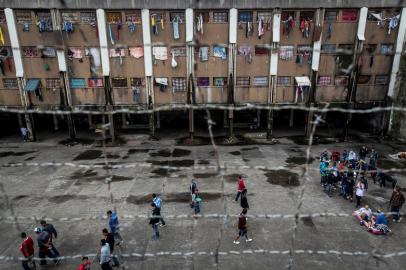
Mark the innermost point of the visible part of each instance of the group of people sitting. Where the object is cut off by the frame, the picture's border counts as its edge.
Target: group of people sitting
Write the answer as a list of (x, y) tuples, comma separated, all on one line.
[(375, 222)]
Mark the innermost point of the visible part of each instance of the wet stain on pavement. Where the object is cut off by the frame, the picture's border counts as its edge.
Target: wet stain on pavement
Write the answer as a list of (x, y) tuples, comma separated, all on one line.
[(140, 199), (298, 160), (136, 151), (235, 153), (61, 198), (113, 156), (387, 164), (84, 176), (158, 162), (308, 221), (203, 162), (249, 148), (184, 197), (89, 155), (246, 160), (182, 163), (178, 152), (15, 154), (29, 158), (70, 142), (20, 197), (161, 153), (205, 175), (282, 178)]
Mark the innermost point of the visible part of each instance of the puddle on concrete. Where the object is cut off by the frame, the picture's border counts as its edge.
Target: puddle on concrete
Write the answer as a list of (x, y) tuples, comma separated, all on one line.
[(235, 153), (387, 164), (160, 173), (302, 140), (282, 178), (249, 148), (182, 163), (307, 221), (135, 151), (296, 150), (178, 152), (205, 175), (89, 155), (140, 199), (29, 158), (161, 153), (221, 140), (15, 154), (84, 176), (158, 162), (70, 142), (203, 162), (20, 197), (245, 159), (298, 160), (61, 198), (184, 197), (113, 156)]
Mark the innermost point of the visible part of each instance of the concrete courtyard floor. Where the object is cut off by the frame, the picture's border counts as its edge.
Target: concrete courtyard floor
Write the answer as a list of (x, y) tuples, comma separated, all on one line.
[(82, 197)]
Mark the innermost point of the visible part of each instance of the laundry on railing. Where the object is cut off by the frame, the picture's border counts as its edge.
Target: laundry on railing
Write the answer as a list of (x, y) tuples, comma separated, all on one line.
[(75, 53), (111, 34), (1, 36), (175, 24), (261, 30), (162, 83), (160, 53), (44, 25), (131, 27), (26, 27), (67, 27), (136, 52), (117, 52), (220, 51), (286, 52), (174, 64), (288, 25), (136, 94), (393, 21), (305, 27), (48, 52), (329, 31), (199, 23), (247, 52), (119, 27), (249, 29), (204, 53)]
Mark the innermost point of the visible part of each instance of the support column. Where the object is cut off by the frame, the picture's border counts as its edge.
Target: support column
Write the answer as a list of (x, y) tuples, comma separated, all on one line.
[(55, 120), (18, 64), (104, 53), (149, 79), (232, 66), (190, 67)]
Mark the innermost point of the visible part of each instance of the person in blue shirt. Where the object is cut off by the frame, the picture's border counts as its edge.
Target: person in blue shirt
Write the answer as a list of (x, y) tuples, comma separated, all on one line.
[(158, 203), (381, 219), (114, 226)]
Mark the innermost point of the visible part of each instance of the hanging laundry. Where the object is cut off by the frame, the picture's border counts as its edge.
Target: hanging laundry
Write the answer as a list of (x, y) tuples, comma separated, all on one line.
[(1, 36), (175, 24), (393, 23), (111, 34), (119, 27), (160, 53), (67, 27), (261, 27), (306, 29), (286, 52), (371, 61), (48, 52), (47, 67), (131, 27), (136, 52), (117, 52), (250, 29), (163, 83), (204, 54), (162, 22), (288, 25), (75, 53), (9, 64), (199, 24), (136, 94), (249, 56), (329, 31), (44, 25), (219, 51), (174, 64), (26, 27), (38, 94), (95, 53), (268, 24), (2, 67)]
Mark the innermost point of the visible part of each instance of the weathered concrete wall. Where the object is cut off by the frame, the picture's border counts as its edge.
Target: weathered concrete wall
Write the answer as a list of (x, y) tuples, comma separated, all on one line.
[(398, 127), (206, 4)]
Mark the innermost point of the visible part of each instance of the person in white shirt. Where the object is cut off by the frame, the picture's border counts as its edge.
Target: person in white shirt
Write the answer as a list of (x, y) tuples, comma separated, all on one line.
[(105, 255), (359, 192)]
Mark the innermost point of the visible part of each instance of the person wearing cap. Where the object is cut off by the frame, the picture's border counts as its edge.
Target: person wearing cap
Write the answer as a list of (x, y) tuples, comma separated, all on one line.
[(85, 265), (45, 246), (27, 249)]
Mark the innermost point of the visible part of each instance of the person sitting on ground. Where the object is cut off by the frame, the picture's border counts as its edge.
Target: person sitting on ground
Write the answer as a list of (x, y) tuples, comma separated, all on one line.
[(366, 216), (380, 223)]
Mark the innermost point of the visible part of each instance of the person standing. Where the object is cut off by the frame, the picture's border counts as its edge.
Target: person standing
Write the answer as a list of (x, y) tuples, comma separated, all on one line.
[(242, 227), (27, 249), (323, 172), (196, 203), (192, 189), (396, 201), (244, 199), (105, 255), (24, 133), (359, 192), (109, 237), (114, 226), (52, 233), (350, 186), (156, 199), (240, 187), (154, 221), (85, 265), (45, 246)]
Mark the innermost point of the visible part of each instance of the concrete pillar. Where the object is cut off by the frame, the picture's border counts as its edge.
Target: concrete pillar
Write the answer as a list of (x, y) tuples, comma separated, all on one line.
[(190, 66), (90, 121), (18, 65), (55, 120), (232, 64)]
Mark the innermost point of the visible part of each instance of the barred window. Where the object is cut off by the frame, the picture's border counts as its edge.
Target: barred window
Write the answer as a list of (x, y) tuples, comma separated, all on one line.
[(330, 15), (179, 51), (205, 15), (261, 81), (23, 16), (283, 80), (286, 14), (243, 81), (10, 84), (113, 17), (179, 84), (324, 80), (364, 79), (118, 52), (259, 50), (179, 15), (307, 15), (306, 49), (203, 81), (220, 16), (245, 16), (386, 48), (69, 16), (29, 51), (119, 82), (88, 17), (77, 83), (265, 15), (381, 79), (220, 81), (349, 15), (341, 80), (133, 16), (136, 81), (328, 48), (53, 84), (95, 82)]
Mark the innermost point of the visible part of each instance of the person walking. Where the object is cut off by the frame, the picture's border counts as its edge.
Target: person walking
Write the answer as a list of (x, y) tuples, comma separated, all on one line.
[(242, 227), (45, 246), (156, 199), (192, 189), (24, 134), (244, 199), (350, 186), (52, 233), (27, 249), (359, 192), (114, 226), (196, 203), (109, 237), (396, 201), (105, 255), (240, 187), (85, 265), (154, 221)]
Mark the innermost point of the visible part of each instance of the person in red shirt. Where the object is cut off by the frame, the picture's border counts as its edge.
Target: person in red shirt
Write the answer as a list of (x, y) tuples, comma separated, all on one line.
[(27, 249), (240, 188), (242, 227), (85, 265)]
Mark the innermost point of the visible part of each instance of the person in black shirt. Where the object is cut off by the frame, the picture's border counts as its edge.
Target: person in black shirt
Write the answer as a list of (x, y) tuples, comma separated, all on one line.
[(49, 228), (244, 199), (154, 221), (109, 237)]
